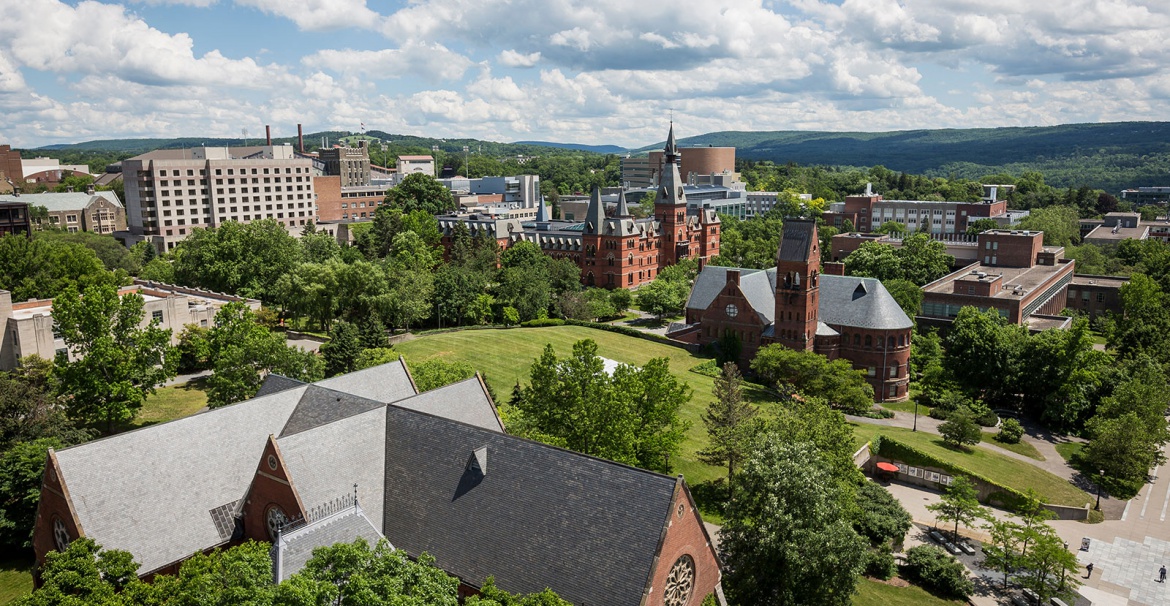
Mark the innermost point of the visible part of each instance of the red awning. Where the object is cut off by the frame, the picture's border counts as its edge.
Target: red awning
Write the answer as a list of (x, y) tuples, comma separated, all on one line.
[(890, 467)]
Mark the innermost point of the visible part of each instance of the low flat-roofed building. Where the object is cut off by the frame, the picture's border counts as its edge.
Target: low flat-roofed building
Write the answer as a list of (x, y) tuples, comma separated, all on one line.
[(1096, 295), (28, 325), (1016, 275)]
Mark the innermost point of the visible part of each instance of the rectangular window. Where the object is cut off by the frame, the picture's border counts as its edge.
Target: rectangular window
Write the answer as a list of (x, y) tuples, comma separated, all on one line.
[(156, 316), (872, 371), (1100, 297)]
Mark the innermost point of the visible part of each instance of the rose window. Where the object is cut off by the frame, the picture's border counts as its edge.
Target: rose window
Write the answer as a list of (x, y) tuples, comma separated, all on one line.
[(680, 583), (275, 518), (60, 535)]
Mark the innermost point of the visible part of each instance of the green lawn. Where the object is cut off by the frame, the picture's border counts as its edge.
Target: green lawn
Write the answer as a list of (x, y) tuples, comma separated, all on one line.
[(994, 466), (873, 593), (170, 403), (1068, 449), (907, 406), (15, 578), (505, 356), (1020, 447)]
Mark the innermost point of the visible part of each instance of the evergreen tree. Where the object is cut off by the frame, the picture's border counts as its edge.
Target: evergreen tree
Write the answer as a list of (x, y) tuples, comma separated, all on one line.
[(342, 350), (728, 419)]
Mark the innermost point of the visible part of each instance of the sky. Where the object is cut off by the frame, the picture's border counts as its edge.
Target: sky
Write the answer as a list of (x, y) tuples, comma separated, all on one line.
[(596, 72)]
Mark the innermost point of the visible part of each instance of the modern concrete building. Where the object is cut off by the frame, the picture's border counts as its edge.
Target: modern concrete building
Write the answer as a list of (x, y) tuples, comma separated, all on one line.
[(28, 325), (1016, 275), (636, 172), (171, 192), (869, 211), (1118, 226), (1141, 196), (794, 304), (100, 212)]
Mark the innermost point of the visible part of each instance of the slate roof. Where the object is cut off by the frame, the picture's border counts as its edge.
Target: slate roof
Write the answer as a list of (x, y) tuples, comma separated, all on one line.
[(796, 240), (152, 491), (344, 527), (540, 517), (385, 383), (860, 303), (319, 406), (326, 461), (466, 401), (840, 302), (63, 201), (276, 383)]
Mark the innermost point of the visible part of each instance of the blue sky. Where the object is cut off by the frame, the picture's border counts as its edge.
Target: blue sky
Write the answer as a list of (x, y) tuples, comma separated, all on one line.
[(604, 71)]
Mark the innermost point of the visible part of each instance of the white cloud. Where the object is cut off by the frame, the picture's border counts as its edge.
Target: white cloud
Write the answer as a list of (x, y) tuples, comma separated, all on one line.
[(318, 15), (511, 58), (431, 61)]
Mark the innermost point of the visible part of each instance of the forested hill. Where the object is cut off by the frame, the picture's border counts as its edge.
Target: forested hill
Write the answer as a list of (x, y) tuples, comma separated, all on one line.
[(1109, 156)]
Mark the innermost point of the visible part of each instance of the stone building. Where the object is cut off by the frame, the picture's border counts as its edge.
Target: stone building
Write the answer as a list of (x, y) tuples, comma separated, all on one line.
[(100, 212), (796, 305), (365, 455)]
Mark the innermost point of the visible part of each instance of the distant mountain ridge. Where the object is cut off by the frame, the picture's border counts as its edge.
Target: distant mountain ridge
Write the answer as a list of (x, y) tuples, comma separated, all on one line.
[(597, 149)]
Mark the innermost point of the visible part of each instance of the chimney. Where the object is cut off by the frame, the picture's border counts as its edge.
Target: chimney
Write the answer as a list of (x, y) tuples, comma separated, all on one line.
[(733, 276), (89, 189), (268, 134), (834, 268), (300, 139), (69, 188)]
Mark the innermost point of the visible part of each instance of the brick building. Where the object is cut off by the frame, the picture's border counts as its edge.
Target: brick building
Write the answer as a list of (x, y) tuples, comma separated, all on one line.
[(794, 304), (616, 251), (1095, 296), (10, 168), (351, 164), (100, 212), (364, 455), (14, 217), (1016, 275), (868, 211)]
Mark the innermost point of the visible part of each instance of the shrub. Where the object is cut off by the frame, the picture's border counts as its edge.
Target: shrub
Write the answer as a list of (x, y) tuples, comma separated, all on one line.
[(882, 518), (960, 429), (1010, 432), (937, 572), (880, 564)]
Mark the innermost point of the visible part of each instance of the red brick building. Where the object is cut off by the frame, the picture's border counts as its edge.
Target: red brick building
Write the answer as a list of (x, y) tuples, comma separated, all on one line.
[(617, 251), (796, 305), (1015, 274), (365, 455)]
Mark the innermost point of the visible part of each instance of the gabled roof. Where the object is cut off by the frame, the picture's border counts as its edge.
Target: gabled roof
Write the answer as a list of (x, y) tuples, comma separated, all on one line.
[(152, 491), (64, 201), (274, 383), (623, 209), (346, 526), (385, 383), (466, 401), (841, 301), (326, 461), (796, 240), (540, 517), (595, 213), (319, 406)]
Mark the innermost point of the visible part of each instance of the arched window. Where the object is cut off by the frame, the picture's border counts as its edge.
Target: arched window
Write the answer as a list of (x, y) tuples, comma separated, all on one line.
[(890, 344), (868, 341), (894, 370), (857, 339)]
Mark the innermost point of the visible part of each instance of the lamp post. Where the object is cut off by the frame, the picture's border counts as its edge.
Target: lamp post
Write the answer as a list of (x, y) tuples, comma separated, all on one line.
[(915, 428), (1099, 479)]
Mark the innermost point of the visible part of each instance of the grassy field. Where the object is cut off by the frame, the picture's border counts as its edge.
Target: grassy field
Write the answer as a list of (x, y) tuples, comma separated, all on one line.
[(170, 403), (873, 593), (15, 578), (1068, 449), (999, 468), (907, 406), (1020, 447), (505, 356)]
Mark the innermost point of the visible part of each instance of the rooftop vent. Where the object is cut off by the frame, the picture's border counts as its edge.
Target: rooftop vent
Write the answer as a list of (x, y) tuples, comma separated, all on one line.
[(477, 462), (860, 291)]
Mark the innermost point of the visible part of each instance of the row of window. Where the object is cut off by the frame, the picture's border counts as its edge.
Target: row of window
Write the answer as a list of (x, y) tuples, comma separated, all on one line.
[(1072, 296)]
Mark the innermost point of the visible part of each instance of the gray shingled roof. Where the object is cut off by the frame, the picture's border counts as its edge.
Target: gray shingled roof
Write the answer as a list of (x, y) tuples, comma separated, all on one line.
[(840, 302), (386, 383), (319, 406), (57, 202), (860, 303), (326, 461), (345, 527), (756, 284), (152, 491), (540, 517), (277, 383), (465, 401), (796, 240)]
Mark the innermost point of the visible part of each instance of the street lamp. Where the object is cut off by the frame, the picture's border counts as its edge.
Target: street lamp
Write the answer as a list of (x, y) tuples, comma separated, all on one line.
[(1099, 480), (915, 428)]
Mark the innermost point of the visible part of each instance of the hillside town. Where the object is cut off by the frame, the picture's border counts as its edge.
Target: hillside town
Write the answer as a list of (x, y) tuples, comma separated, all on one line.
[(719, 303)]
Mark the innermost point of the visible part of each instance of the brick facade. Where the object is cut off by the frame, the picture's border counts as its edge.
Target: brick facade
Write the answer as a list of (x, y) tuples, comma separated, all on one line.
[(684, 537), (271, 488)]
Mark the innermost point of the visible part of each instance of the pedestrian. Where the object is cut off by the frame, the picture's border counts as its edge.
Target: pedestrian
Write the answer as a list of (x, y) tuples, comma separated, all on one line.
[(1162, 574), (1089, 570)]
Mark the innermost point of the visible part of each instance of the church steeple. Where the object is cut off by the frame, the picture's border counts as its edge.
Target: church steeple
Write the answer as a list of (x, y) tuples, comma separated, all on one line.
[(595, 214), (671, 149), (623, 210), (671, 184)]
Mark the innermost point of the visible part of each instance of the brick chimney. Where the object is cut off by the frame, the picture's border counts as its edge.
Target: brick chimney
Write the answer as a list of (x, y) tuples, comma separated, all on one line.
[(300, 139), (268, 134), (834, 268), (89, 189)]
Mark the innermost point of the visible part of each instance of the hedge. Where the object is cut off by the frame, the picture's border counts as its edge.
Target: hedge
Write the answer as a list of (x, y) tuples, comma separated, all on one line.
[(890, 448)]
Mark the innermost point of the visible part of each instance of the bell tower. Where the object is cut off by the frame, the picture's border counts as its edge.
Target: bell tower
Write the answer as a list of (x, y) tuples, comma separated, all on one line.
[(798, 264)]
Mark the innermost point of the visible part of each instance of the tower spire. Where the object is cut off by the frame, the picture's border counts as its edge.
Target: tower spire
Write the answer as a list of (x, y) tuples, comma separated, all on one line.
[(595, 214), (671, 150), (623, 210)]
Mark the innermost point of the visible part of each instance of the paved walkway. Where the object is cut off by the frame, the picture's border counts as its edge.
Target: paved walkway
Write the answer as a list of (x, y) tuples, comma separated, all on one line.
[(187, 378)]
